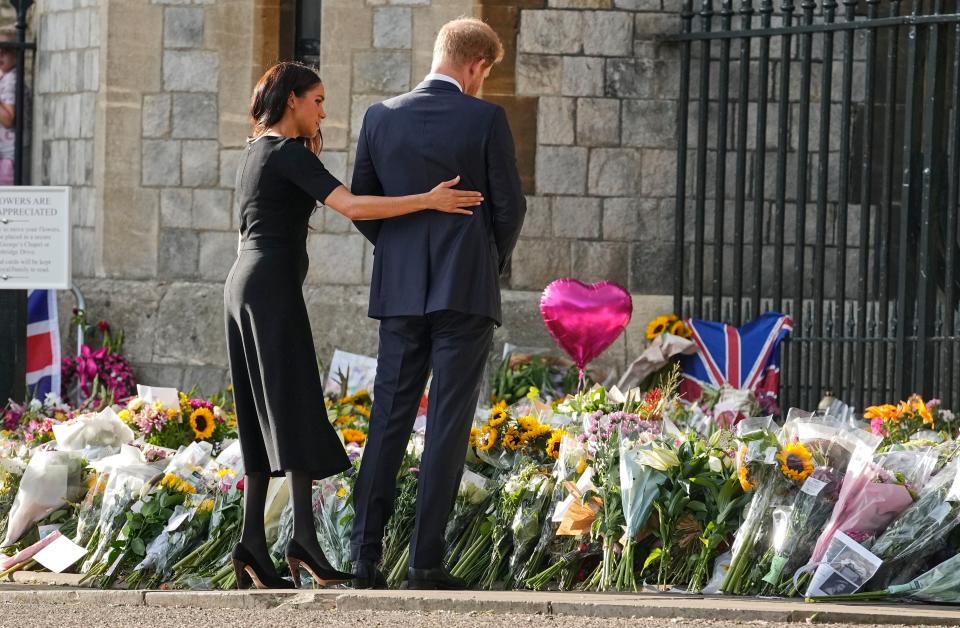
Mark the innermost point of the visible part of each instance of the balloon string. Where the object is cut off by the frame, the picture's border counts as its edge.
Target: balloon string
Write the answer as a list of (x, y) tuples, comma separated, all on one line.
[(582, 382)]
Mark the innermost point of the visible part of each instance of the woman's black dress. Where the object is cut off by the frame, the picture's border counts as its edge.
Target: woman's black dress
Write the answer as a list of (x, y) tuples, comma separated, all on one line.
[(281, 416)]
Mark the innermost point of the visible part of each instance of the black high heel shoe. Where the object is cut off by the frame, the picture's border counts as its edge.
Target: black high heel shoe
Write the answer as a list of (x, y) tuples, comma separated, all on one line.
[(248, 570), (321, 571)]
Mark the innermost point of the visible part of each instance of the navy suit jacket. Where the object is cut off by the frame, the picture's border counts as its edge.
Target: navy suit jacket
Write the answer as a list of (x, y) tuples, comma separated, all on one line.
[(430, 261)]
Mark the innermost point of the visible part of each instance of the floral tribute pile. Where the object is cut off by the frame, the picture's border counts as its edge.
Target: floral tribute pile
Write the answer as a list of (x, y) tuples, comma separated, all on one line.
[(600, 489)]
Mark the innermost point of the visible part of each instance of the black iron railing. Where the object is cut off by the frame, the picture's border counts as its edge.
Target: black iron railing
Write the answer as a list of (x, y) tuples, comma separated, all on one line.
[(845, 217)]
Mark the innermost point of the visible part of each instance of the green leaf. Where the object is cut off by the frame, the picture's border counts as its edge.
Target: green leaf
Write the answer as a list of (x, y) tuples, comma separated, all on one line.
[(137, 546), (150, 508), (652, 557)]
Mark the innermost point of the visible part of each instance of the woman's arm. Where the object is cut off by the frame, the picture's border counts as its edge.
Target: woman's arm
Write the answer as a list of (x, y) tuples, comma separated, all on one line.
[(8, 115), (442, 198)]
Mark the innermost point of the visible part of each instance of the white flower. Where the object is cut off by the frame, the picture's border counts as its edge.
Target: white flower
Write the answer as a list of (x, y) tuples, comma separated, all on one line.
[(659, 458), (134, 404), (35, 404)]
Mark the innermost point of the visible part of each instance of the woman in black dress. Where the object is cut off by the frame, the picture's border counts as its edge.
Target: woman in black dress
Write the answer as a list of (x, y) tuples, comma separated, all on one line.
[(281, 416)]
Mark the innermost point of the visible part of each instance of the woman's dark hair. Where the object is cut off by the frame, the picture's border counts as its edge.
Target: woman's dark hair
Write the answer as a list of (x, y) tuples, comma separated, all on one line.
[(269, 100)]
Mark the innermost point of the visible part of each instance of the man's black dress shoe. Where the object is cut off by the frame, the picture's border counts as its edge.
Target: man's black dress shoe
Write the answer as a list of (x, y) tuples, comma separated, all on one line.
[(435, 578), (367, 576)]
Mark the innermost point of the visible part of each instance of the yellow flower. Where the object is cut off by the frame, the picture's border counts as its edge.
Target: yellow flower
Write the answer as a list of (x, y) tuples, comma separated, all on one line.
[(528, 423), (474, 436), (343, 419), (126, 416), (553, 445), (342, 491), (796, 463), (582, 465), (158, 405), (487, 438), (171, 481), (498, 414), (362, 410), (224, 472), (202, 423), (658, 326), (744, 475), (172, 413), (533, 394), (6, 433), (229, 387), (678, 328), (511, 439), (354, 436), (186, 487), (205, 506), (922, 409)]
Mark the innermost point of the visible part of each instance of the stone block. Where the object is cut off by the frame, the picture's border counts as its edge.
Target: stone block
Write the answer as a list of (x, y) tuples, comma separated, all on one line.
[(598, 122), (336, 163), (199, 163), (212, 209), (156, 115), (638, 5), (160, 162), (561, 170), (183, 27), (614, 172), (90, 62), (83, 251), (338, 316), (652, 270), (608, 33), (580, 4), (209, 381), (381, 72), (537, 221), (230, 160), (631, 219), (630, 78), (393, 27), (218, 251), (358, 108), (176, 207), (649, 123), (653, 25), (195, 116), (410, 3), (555, 120), (582, 76), (189, 326), (539, 74), (551, 32), (538, 262), (190, 71), (156, 375), (334, 221), (601, 261), (659, 173), (576, 217), (335, 259), (179, 254)]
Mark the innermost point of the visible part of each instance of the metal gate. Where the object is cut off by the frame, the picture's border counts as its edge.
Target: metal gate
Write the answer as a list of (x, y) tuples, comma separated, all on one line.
[(817, 175)]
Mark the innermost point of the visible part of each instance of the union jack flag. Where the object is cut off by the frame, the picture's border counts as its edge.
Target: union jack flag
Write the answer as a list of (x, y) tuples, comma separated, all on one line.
[(746, 358), (43, 343)]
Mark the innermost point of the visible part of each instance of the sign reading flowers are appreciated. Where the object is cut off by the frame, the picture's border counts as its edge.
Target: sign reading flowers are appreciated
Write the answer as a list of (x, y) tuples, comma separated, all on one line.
[(34, 237)]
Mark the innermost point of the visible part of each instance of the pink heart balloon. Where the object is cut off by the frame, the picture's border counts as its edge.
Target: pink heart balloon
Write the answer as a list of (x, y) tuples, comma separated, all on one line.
[(584, 320)]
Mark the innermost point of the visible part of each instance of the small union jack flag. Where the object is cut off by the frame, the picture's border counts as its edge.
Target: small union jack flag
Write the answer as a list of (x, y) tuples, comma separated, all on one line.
[(746, 358), (43, 343)]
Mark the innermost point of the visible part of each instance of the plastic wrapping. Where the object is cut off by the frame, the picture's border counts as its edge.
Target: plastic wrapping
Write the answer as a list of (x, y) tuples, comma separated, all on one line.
[(94, 434), (50, 479)]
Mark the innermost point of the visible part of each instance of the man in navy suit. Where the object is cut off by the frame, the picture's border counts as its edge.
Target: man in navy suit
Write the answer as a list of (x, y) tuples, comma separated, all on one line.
[(434, 288)]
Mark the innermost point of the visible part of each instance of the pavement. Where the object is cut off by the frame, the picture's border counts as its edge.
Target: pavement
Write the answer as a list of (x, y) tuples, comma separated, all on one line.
[(43, 598)]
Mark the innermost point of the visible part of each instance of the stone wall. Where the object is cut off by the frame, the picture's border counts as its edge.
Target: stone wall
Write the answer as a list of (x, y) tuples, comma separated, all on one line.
[(155, 227)]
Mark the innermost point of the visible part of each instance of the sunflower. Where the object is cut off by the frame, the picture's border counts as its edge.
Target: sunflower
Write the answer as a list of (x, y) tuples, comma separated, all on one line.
[(487, 438), (201, 420), (353, 436), (796, 463), (658, 326), (343, 419), (498, 414), (553, 445), (475, 436), (528, 423), (172, 482), (679, 328), (362, 410), (206, 506), (512, 439)]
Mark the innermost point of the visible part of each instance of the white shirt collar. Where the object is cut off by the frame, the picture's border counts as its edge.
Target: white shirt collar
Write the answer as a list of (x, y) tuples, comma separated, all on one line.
[(436, 76)]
